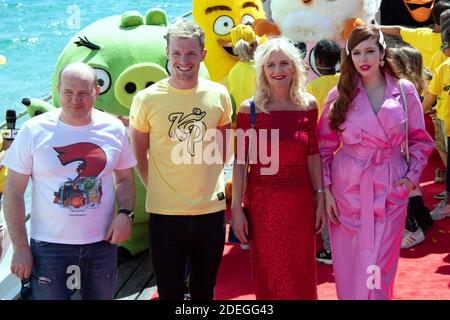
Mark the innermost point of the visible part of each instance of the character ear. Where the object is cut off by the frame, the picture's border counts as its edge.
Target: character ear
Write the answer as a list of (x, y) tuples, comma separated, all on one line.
[(131, 19), (156, 17), (264, 27)]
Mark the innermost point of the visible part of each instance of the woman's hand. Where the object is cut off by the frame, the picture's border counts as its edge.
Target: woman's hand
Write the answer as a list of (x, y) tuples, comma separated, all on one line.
[(321, 216), (331, 207), (408, 184), (239, 224)]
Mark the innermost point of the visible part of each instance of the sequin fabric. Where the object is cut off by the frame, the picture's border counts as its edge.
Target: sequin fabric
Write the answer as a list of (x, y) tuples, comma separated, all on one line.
[(280, 209)]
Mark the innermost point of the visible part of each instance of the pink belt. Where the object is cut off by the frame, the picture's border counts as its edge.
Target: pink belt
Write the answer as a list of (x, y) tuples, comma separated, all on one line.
[(369, 157)]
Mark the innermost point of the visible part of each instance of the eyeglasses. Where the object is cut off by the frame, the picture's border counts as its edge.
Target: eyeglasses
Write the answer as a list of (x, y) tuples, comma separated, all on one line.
[(25, 290), (445, 45)]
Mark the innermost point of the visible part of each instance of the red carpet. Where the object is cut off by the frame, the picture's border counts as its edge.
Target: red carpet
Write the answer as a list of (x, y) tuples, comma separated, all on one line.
[(423, 272)]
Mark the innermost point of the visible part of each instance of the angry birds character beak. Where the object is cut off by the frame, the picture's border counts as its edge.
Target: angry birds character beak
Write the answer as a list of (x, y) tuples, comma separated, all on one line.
[(420, 10), (228, 47)]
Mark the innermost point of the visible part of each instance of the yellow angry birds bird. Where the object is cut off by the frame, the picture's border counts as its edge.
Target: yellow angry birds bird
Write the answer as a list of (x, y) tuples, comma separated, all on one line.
[(217, 18)]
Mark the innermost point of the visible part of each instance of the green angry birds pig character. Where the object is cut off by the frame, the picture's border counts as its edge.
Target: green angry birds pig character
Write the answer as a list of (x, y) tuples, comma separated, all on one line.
[(128, 53)]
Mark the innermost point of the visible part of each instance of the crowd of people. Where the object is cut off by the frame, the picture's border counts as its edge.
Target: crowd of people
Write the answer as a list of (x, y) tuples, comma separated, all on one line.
[(346, 155)]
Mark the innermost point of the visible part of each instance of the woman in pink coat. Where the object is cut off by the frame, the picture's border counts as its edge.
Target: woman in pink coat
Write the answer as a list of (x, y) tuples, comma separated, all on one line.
[(367, 180)]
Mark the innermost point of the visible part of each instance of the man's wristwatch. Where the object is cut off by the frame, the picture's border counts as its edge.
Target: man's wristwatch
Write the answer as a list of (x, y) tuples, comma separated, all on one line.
[(129, 213)]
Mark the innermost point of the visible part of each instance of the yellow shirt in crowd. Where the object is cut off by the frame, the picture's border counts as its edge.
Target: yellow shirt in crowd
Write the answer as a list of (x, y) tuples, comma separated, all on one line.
[(241, 82), (320, 87), (3, 175), (440, 86), (437, 59), (424, 40), (181, 178)]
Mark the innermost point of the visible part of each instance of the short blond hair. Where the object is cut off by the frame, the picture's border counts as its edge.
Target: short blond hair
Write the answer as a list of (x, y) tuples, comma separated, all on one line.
[(297, 89), (185, 28)]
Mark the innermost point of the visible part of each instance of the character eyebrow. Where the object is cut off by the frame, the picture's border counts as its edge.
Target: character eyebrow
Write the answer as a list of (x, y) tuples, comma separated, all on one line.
[(217, 8), (250, 4), (86, 43)]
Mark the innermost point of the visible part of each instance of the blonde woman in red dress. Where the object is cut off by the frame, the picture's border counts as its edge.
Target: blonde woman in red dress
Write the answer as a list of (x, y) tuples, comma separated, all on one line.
[(283, 200)]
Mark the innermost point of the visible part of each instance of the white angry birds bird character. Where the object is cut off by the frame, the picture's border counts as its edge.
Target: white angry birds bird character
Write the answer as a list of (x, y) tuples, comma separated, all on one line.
[(309, 21), (314, 20)]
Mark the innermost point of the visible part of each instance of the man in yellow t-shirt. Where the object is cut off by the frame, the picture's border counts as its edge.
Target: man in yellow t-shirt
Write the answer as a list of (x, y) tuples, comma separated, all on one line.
[(426, 40), (175, 127)]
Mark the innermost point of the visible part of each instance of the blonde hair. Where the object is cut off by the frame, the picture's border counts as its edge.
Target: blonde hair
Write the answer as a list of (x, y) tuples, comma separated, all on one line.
[(187, 29), (297, 91)]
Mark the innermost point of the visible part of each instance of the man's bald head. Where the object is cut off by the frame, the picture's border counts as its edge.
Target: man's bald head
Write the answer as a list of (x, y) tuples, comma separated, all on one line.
[(78, 91), (78, 70)]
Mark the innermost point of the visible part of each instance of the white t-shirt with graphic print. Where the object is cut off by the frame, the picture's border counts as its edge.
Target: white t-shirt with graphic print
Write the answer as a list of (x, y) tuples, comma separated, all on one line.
[(71, 170)]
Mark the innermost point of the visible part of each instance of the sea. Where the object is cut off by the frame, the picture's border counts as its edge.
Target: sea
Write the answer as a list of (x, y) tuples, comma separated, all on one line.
[(34, 32)]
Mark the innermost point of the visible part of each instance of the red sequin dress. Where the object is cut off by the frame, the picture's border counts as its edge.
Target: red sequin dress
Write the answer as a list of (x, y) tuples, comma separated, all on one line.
[(280, 208)]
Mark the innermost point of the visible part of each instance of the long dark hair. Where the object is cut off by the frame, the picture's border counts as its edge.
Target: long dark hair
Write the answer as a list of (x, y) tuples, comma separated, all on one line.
[(349, 75)]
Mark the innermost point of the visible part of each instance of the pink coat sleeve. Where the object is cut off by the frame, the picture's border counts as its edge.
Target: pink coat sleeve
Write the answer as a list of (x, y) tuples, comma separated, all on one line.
[(329, 139), (420, 143)]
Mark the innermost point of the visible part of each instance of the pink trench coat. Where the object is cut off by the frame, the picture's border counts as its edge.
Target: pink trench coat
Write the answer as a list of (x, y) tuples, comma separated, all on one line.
[(362, 174)]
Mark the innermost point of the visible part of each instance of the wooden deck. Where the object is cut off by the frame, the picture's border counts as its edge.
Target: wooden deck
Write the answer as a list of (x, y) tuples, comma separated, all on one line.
[(136, 279)]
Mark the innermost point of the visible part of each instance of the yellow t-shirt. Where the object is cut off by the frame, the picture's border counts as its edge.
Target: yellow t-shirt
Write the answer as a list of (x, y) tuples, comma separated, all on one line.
[(440, 86), (436, 60), (320, 88), (424, 40), (3, 176), (241, 82), (183, 177)]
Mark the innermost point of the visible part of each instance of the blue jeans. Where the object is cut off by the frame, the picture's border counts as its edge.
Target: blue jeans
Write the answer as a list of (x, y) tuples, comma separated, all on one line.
[(59, 269)]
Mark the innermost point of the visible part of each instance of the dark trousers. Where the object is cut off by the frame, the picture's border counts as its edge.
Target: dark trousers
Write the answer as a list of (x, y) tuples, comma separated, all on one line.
[(178, 240), (418, 215)]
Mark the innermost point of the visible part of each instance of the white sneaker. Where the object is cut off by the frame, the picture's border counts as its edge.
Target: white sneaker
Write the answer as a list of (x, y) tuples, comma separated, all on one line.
[(441, 211), (410, 239)]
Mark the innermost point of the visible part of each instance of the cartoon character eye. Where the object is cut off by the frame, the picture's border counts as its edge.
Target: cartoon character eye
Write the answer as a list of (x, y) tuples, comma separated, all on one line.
[(247, 19), (104, 80), (223, 25)]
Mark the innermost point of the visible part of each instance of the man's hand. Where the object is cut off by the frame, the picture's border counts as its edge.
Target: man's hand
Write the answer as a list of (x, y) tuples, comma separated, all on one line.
[(119, 230), (22, 263)]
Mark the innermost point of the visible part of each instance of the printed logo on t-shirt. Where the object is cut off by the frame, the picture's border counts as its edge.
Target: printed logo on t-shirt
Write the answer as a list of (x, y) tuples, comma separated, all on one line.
[(85, 191), (188, 128)]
